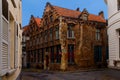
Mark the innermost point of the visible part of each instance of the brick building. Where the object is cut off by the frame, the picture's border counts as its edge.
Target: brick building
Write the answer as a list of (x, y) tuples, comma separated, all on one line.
[(25, 38), (66, 39)]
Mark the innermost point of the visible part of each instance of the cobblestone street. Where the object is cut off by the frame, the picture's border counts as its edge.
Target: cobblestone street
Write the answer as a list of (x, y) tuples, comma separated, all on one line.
[(107, 74)]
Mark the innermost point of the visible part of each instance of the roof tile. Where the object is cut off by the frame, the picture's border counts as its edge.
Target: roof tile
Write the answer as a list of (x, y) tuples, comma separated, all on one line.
[(74, 14)]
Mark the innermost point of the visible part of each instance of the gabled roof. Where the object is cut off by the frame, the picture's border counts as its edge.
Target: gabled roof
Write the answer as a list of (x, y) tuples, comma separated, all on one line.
[(74, 14), (67, 12), (25, 28), (93, 17), (38, 21)]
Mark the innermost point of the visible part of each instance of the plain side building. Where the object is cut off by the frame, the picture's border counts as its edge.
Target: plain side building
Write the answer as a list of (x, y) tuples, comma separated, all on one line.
[(114, 32), (10, 39)]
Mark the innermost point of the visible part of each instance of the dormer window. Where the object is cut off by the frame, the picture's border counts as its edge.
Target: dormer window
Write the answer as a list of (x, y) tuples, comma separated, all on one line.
[(85, 17), (118, 2)]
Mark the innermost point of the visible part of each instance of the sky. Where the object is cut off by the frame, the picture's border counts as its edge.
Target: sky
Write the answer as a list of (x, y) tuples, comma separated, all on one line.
[(36, 7)]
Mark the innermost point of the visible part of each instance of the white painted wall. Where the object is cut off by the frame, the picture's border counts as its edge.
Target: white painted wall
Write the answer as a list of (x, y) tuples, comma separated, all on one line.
[(13, 72), (113, 35)]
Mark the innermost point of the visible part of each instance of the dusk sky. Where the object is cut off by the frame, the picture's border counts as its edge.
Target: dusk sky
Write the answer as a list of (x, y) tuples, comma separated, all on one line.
[(36, 7)]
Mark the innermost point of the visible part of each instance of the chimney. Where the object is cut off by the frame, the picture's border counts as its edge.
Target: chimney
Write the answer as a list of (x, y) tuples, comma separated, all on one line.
[(78, 9), (101, 13)]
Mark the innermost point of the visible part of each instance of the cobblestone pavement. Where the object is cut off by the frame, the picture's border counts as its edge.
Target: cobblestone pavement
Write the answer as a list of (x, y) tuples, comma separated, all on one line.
[(106, 74)]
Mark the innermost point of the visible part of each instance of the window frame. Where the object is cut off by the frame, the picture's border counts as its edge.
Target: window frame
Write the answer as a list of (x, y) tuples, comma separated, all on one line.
[(51, 18), (70, 32), (71, 58), (57, 32), (51, 34), (58, 54), (98, 34), (118, 5)]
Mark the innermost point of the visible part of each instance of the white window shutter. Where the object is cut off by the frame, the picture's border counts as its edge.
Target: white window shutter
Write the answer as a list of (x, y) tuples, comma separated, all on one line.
[(4, 56), (5, 44), (16, 45)]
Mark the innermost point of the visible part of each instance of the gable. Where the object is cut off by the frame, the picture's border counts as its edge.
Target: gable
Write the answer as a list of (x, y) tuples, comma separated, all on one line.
[(48, 8)]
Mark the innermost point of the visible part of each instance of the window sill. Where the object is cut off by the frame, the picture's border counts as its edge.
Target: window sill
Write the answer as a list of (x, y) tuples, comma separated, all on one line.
[(70, 37), (11, 71), (7, 72), (2, 73), (72, 63)]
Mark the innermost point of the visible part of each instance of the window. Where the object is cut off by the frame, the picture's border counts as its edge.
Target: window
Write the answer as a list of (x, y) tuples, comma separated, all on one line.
[(46, 22), (51, 18), (71, 53), (97, 54), (97, 34), (57, 33), (85, 17), (5, 8), (58, 53), (34, 58), (33, 42), (13, 2), (52, 54), (41, 38), (70, 32), (37, 41), (46, 36), (118, 4), (42, 52), (51, 36)]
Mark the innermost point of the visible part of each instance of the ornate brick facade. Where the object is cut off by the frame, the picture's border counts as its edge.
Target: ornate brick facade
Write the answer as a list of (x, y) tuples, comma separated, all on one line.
[(66, 39)]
